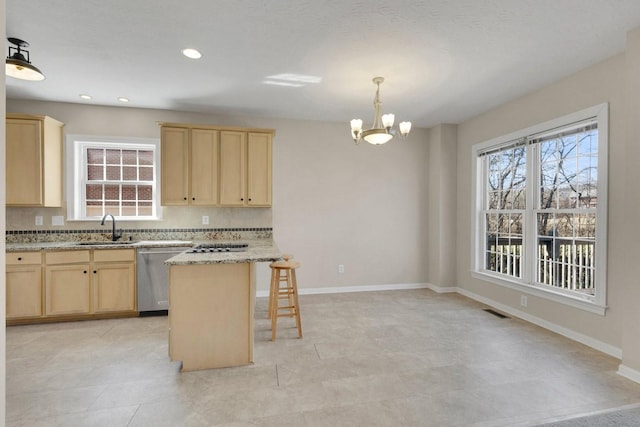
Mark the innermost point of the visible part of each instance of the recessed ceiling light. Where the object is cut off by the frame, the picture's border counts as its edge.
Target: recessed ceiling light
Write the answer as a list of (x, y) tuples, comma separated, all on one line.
[(84, 96), (191, 53), (123, 99)]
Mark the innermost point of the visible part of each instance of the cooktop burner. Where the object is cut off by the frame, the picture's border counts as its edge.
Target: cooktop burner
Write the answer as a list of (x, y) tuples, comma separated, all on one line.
[(218, 247)]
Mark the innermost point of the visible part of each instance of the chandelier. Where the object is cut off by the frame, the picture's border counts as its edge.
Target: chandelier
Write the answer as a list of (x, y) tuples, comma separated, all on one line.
[(19, 66), (381, 131)]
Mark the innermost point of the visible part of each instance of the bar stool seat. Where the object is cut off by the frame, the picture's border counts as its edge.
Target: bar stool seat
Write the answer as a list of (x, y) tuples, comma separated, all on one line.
[(284, 286)]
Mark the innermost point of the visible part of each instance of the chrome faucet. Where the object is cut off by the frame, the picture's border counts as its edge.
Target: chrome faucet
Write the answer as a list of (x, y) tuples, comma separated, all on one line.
[(114, 235)]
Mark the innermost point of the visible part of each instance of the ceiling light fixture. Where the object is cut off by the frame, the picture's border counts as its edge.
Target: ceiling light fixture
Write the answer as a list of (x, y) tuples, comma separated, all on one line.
[(84, 96), (191, 53), (123, 99), (381, 131), (17, 65)]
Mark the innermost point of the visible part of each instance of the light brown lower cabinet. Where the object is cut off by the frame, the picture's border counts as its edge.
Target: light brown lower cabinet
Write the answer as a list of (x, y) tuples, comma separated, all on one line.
[(71, 285), (24, 285), (67, 290)]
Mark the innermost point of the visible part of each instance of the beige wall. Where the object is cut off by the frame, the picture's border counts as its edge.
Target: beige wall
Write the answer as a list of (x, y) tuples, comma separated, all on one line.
[(631, 204), (442, 205), (333, 202), (603, 82)]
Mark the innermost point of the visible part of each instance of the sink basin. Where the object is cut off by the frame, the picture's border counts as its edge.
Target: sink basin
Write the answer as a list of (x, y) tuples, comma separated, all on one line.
[(109, 243)]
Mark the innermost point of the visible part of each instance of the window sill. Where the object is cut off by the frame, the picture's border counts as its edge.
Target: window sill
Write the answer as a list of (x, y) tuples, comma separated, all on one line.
[(548, 294)]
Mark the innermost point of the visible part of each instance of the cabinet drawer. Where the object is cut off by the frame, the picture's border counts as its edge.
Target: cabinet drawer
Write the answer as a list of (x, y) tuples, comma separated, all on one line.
[(23, 258), (66, 257), (113, 255)]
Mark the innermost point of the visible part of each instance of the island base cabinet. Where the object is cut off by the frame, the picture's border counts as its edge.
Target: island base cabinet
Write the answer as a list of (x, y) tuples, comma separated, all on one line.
[(211, 310)]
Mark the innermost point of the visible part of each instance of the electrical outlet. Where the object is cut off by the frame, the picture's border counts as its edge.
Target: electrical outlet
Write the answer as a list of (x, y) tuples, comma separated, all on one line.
[(341, 268), (39, 220), (523, 300), (205, 219)]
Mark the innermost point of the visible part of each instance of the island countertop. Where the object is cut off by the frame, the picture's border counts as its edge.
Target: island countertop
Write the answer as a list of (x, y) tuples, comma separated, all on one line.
[(259, 250)]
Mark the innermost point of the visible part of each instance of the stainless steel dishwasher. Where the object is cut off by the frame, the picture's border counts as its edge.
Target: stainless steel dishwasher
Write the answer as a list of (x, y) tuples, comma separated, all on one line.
[(153, 278)]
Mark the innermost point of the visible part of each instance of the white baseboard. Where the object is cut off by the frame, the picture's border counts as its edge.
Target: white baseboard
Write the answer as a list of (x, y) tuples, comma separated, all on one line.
[(442, 289), (629, 373), (583, 339), (346, 289)]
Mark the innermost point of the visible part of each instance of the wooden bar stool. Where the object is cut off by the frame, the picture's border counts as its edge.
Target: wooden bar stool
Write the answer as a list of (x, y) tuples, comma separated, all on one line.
[(284, 287)]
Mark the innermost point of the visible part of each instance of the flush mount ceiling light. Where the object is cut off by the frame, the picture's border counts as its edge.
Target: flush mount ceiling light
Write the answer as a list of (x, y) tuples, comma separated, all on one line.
[(291, 80), (381, 131), (123, 99), (17, 65)]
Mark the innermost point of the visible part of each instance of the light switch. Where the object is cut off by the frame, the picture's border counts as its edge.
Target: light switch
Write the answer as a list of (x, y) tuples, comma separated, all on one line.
[(57, 220), (39, 220), (205, 219)]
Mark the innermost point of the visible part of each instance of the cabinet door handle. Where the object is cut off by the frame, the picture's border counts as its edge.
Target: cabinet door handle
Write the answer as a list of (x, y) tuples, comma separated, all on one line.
[(19, 258), (193, 198), (94, 271), (185, 198), (249, 198), (242, 199), (85, 272)]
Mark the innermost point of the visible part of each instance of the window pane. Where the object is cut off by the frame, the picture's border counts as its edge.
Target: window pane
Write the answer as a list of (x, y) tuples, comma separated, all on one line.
[(94, 191), (129, 173), (588, 142), (113, 173), (94, 208), (146, 174), (113, 156), (128, 192), (129, 209), (129, 157), (112, 192), (549, 197), (95, 156), (145, 192), (145, 209), (586, 226), (145, 158), (95, 173)]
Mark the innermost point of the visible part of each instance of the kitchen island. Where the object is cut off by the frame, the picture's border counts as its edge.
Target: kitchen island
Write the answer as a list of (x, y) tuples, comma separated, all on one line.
[(212, 304)]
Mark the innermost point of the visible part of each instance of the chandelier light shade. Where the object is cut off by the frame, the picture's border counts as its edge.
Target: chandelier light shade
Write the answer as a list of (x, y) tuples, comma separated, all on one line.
[(381, 131), (19, 66)]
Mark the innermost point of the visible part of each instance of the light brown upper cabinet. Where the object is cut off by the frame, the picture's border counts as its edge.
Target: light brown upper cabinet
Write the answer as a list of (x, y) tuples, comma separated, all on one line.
[(215, 165), (33, 161), (245, 168), (189, 166)]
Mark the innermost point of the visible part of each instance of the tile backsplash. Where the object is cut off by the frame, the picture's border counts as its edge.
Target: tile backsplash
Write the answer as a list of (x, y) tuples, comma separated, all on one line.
[(193, 234)]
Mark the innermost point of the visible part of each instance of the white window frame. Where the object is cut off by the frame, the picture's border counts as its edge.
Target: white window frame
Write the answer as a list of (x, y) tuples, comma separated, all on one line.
[(596, 303), (76, 167)]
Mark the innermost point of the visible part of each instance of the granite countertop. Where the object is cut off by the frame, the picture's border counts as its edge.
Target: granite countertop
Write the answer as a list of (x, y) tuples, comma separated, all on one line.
[(261, 250)]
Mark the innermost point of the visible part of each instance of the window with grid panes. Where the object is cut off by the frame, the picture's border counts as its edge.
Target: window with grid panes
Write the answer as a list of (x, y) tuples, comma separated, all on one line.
[(115, 178), (541, 203)]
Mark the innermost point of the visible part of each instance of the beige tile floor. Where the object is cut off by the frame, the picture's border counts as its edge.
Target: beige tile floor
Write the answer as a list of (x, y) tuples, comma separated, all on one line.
[(400, 358)]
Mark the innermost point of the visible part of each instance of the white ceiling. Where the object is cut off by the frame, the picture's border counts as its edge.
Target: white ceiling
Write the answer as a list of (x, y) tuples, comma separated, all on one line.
[(443, 60)]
